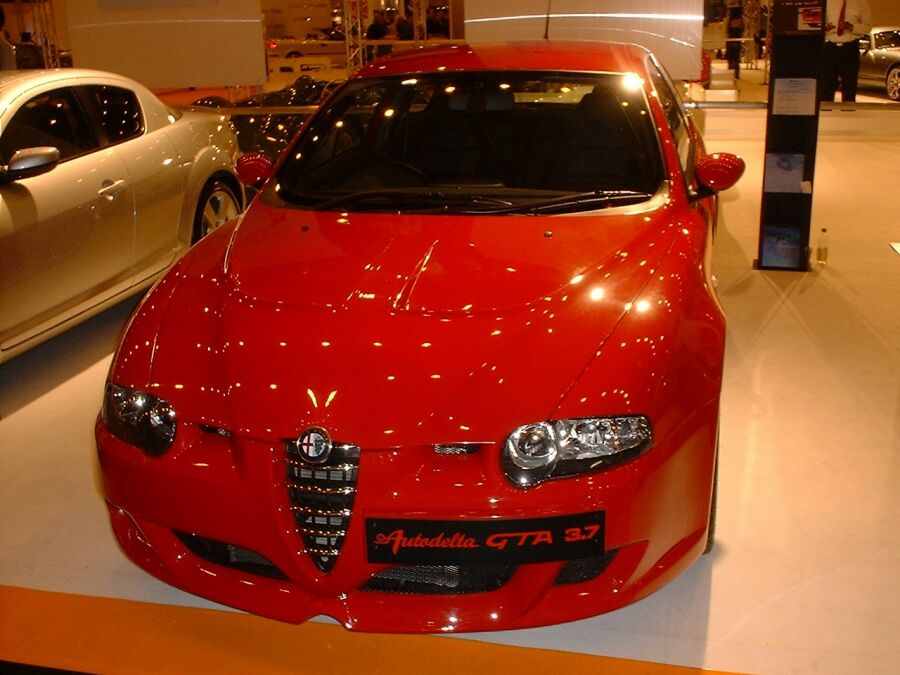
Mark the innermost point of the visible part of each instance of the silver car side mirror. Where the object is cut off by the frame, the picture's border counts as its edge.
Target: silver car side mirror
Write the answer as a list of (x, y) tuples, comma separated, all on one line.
[(30, 162)]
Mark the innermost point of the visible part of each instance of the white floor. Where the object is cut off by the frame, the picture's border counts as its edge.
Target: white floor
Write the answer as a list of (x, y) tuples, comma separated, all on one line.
[(805, 577)]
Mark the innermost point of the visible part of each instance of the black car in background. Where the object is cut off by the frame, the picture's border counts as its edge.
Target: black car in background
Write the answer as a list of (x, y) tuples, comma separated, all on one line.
[(270, 129)]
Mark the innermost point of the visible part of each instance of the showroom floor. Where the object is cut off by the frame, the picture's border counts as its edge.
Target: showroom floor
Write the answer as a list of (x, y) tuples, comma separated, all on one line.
[(803, 578)]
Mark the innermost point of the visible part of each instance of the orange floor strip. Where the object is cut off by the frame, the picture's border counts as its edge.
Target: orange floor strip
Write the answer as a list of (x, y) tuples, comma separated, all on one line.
[(101, 635)]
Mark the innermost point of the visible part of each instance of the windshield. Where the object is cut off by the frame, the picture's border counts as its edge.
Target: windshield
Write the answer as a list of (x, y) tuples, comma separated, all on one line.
[(477, 142)]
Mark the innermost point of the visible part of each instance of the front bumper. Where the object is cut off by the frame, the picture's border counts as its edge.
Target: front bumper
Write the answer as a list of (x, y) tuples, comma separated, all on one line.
[(214, 517)]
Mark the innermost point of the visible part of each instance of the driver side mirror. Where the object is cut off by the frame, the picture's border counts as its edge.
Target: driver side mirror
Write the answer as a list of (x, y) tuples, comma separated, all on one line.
[(718, 171), (30, 162), (864, 44)]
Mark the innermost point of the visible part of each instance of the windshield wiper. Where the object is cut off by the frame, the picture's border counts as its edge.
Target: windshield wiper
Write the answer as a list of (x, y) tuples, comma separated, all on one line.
[(579, 200), (410, 198)]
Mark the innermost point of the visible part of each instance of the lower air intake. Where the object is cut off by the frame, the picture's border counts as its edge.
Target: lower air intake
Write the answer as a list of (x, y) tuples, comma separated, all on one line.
[(440, 579), (229, 555), (584, 569)]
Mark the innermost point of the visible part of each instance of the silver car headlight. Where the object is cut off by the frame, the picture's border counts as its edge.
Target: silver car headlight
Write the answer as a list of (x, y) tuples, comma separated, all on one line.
[(536, 452), (139, 418)]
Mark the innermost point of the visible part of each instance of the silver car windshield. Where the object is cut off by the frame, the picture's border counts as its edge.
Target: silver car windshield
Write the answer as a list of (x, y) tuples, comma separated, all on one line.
[(477, 142)]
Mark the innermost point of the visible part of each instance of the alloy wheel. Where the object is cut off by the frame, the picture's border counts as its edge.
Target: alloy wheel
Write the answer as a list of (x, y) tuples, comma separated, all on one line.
[(893, 84), (220, 207)]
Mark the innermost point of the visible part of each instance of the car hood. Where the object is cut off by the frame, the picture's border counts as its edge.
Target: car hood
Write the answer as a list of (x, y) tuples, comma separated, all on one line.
[(448, 265), (396, 330)]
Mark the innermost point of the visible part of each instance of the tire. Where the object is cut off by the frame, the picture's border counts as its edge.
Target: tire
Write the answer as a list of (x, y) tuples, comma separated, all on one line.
[(217, 205), (892, 83), (711, 531)]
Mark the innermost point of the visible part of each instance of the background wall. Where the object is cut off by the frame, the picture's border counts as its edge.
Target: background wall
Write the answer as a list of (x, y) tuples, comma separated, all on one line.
[(171, 43), (673, 29), (885, 12)]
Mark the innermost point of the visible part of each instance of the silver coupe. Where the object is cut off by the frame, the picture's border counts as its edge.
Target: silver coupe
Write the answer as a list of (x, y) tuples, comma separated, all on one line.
[(102, 186)]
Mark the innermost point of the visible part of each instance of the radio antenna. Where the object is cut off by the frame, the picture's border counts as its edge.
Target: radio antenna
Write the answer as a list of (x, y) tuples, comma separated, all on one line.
[(547, 23)]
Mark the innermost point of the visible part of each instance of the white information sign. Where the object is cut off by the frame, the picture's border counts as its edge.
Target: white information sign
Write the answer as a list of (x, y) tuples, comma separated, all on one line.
[(794, 96)]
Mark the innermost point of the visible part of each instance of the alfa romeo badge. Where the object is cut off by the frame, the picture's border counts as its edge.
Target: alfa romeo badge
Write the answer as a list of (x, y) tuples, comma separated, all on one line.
[(314, 445)]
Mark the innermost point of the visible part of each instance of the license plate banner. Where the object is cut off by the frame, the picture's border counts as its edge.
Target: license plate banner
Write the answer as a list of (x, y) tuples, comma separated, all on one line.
[(443, 542)]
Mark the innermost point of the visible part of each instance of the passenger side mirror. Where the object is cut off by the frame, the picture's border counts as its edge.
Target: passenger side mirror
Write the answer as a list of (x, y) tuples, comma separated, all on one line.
[(254, 169), (30, 162), (718, 171)]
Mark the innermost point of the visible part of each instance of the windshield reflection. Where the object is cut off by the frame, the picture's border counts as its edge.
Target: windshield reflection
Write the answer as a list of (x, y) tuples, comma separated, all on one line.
[(476, 142)]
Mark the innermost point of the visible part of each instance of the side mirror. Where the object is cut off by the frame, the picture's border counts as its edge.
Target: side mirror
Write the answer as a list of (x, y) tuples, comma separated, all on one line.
[(718, 172), (254, 169), (30, 162), (864, 44)]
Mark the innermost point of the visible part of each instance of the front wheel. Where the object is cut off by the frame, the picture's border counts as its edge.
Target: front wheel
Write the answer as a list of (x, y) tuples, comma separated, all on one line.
[(892, 83), (217, 205)]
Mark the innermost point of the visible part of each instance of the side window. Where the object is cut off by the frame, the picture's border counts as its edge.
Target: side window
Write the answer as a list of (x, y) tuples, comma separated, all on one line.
[(671, 105), (55, 119), (119, 112)]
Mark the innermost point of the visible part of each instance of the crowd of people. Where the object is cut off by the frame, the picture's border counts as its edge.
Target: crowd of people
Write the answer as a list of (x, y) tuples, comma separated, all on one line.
[(388, 24)]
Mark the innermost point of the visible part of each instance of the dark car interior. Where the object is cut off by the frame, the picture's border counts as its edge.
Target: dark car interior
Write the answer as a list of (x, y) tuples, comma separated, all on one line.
[(503, 138)]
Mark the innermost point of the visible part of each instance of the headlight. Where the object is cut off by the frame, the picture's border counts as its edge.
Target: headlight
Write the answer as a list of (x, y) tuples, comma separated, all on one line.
[(139, 418), (536, 452)]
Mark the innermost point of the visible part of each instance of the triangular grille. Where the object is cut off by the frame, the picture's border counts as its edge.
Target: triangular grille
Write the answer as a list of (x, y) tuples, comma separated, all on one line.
[(322, 500)]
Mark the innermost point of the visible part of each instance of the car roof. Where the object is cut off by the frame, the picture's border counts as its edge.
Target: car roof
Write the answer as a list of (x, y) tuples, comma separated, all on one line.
[(16, 83), (580, 56), (13, 82)]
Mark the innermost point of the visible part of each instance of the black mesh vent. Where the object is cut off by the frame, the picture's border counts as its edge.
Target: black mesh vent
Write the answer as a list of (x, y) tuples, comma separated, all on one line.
[(584, 569), (322, 500), (228, 555), (440, 579)]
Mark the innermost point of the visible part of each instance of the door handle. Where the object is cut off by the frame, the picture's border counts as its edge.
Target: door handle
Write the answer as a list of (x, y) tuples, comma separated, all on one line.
[(109, 188)]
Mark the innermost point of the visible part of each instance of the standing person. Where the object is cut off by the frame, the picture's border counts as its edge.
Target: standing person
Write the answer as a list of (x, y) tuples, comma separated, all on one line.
[(432, 26), (404, 27), (377, 30), (846, 21), (734, 28), (443, 23), (7, 52)]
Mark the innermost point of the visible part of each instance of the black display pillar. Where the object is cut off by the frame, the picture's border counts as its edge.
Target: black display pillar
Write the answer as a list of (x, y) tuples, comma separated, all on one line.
[(792, 126)]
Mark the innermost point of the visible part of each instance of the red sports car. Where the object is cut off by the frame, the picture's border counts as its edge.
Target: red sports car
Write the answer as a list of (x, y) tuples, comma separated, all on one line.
[(458, 366)]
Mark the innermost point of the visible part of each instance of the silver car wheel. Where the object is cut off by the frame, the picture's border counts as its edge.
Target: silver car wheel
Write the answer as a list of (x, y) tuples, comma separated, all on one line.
[(217, 206), (892, 83)]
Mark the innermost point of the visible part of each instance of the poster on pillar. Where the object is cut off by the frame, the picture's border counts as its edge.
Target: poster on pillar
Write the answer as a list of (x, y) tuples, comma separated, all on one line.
[(797, 17)]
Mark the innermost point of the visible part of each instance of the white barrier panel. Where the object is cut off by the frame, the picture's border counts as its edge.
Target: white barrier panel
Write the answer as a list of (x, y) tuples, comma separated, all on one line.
[(672, 29), (171, 43)]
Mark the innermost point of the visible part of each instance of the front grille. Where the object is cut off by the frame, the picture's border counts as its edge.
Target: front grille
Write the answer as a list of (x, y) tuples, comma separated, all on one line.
[(229, 555), (584, 569), (440, 579), (321, 498)]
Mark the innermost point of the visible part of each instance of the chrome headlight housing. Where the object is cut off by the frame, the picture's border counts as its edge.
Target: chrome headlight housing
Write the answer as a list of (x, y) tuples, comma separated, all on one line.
[(139, 418), (542, 450)]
